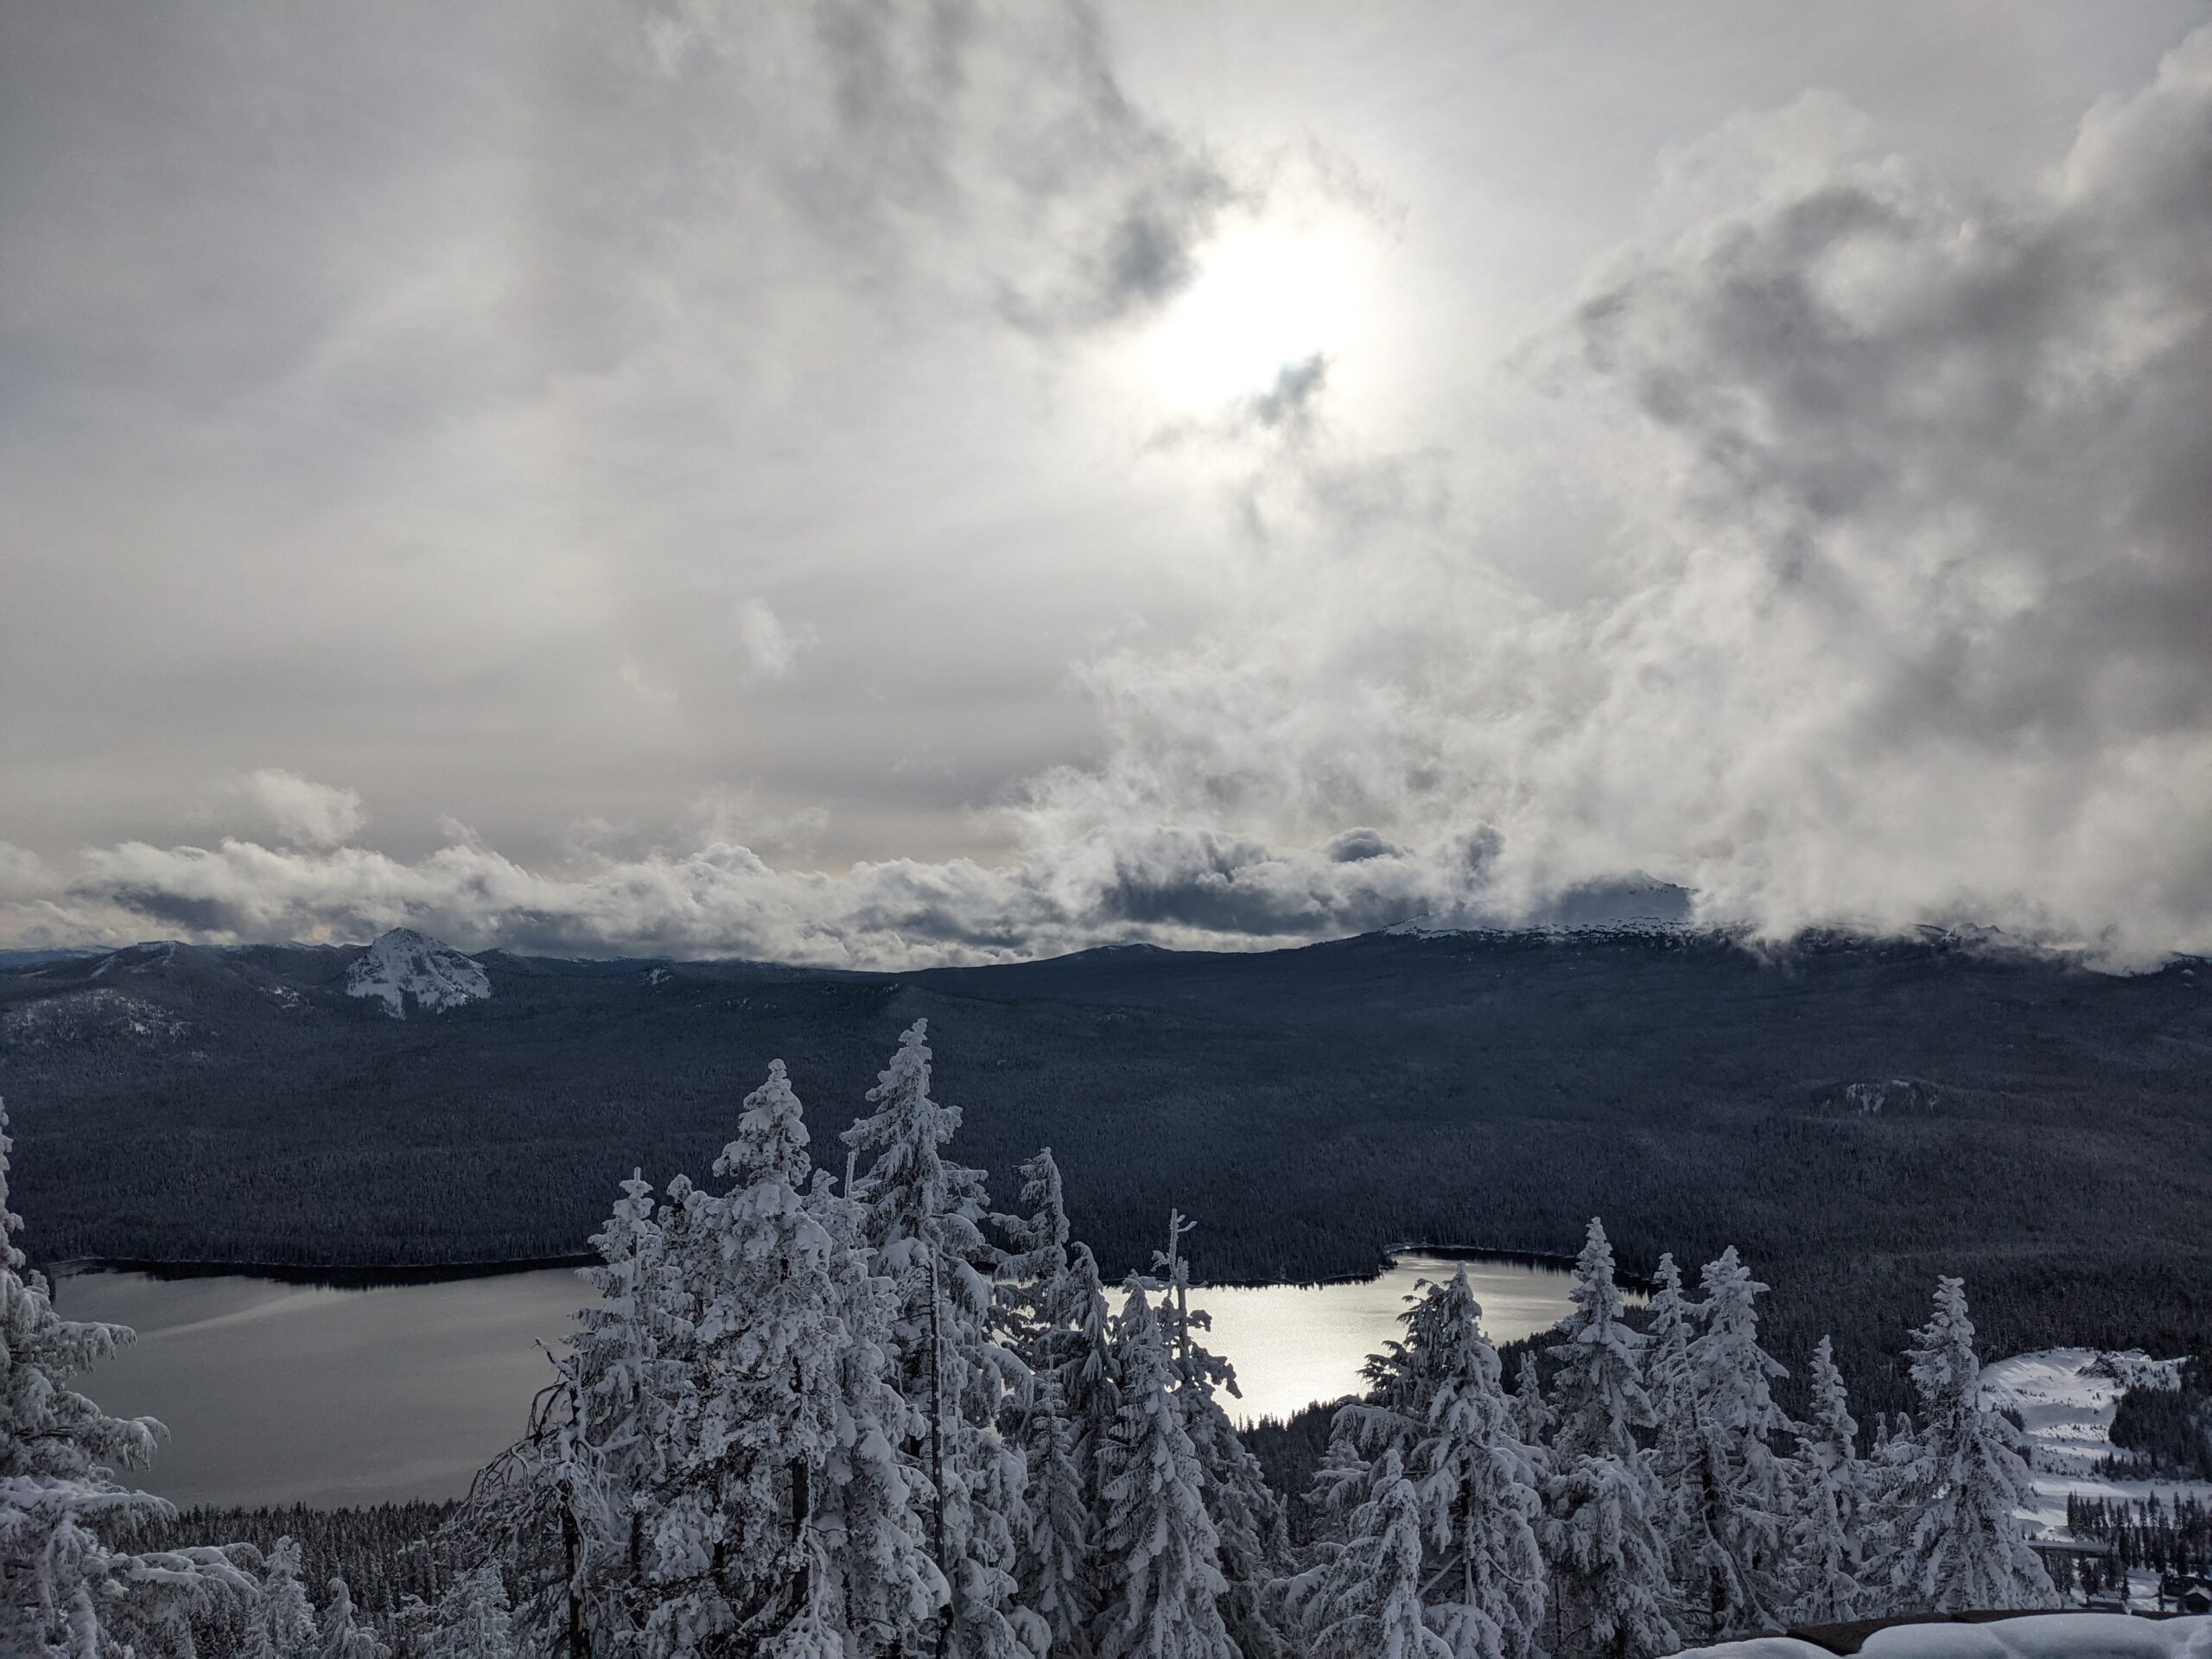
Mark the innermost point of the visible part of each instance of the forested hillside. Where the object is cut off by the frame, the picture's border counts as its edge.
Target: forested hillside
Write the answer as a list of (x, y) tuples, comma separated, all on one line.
[(2047, 1138)]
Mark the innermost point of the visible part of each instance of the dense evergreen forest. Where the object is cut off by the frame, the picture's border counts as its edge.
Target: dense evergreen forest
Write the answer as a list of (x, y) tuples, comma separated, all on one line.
[(1857, 1115), (807, 1419)]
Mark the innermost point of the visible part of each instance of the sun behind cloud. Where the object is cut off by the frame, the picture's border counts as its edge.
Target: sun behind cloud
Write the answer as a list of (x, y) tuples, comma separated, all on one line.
[(1267, 295)]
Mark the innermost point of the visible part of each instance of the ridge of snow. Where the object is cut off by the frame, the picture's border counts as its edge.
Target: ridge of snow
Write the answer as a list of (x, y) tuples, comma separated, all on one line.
[(403, 965)]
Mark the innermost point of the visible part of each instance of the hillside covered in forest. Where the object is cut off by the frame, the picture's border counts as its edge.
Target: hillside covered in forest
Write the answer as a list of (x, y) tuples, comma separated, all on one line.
[(1857, 1115)]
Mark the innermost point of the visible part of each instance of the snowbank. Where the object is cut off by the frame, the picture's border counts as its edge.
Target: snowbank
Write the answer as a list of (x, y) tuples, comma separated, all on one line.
[(2031, 1636)]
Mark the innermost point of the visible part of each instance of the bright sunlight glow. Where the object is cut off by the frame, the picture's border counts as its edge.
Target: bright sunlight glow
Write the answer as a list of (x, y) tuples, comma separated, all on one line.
[(1266, 297)]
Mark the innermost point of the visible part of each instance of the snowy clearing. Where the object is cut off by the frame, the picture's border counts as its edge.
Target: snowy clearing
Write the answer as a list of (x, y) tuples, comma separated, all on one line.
[(2066, 1398)]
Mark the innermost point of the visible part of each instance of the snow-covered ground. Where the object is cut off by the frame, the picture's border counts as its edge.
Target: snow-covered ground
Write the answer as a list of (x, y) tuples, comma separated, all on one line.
[(404, 966), (2066, 1398), (2032, 1636)]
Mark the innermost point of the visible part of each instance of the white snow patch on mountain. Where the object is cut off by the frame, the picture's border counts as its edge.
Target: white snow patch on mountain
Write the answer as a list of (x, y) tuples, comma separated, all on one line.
[(405, 967)]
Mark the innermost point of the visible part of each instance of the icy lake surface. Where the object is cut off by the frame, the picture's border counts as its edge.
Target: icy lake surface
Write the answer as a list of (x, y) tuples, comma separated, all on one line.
[(281, 1394)]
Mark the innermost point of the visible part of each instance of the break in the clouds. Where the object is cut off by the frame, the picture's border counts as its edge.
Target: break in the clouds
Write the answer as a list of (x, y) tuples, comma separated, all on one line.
[(1217, 517)]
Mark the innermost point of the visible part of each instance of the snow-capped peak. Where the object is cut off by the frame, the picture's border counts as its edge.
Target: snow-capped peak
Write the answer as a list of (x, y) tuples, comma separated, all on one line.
[(404, 965)]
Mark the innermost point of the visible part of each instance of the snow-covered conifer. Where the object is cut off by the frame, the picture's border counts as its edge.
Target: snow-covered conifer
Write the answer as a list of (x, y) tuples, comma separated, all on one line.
[(1477, 1495), (65, 1590), (1958, 1543), (1163, 1584), (1040, 1308), (1827, 1537), (1034, 1296), (631, 1390), (1532, 1414), (1246, 1512), (473, 1621), (1436, 1420), (785, 1392), (1738, 1494), (343, 1636), (1364, 1597), (920, 1215), (1610, 1586), (1091, 1386), (282, 1624), (1670, 1324)]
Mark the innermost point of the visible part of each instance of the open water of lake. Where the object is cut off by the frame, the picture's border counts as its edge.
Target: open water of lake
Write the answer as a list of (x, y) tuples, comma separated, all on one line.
[(281, 1394)]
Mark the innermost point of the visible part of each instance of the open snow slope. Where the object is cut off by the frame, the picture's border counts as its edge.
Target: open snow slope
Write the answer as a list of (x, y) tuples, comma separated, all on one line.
[(2066, 1398), (404, 966), (2032, 1636)]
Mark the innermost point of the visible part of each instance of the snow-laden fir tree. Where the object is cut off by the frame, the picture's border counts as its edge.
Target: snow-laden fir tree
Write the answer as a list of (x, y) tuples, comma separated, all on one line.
[(65, 1590), (1670, 1323), (1040, 1308), (1826, 1547), (1162, 1586), (1246, 1512), (343, 1636), (1090, 1387), (631, 1393), (1436, 1415), (472, 1620), (788, 1467), (1610, 1587), (1476, 1491), (282, 1624), (1363, 1599), (1032, 1273), (1738, 1493), (1532, 1413), (1958, 1542), (920, 1215)]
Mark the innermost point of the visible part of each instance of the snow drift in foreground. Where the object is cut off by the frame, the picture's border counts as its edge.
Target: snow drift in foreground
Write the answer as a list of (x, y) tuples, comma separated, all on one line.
[(2032, 1636), (404, 965)]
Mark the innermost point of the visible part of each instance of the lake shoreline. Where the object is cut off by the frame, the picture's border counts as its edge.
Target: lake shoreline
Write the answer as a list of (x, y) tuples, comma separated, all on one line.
[(334, 1276), (354, 1276)]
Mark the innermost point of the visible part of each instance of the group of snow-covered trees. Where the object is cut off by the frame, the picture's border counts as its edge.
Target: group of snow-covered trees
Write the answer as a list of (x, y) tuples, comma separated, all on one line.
[(818, 1415), (1655, 1494), (814, 1418)]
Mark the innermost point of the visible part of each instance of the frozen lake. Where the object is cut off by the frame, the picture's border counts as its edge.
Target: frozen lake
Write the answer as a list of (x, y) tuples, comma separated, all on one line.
[(280, 1393)]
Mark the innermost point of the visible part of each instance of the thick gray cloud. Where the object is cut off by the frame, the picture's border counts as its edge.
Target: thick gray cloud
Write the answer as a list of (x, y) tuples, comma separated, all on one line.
[(669, 446)]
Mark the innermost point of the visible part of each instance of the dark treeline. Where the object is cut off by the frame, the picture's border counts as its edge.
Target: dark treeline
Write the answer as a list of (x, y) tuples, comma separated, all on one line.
[(1316, 1106), (383, 1551), (2167, 1536), (2165, 1433)]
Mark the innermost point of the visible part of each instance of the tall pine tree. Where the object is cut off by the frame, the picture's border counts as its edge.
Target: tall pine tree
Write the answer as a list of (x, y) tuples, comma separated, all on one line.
[(790, 1389), (1738, 1493), (1609, 1567), (1958, 1543), (1161, 1555), (920, 1215), (1246, 1512), (1826, 1545)]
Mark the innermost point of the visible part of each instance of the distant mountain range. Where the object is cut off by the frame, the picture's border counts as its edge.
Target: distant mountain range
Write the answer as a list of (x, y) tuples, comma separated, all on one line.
[(1857, 1114)]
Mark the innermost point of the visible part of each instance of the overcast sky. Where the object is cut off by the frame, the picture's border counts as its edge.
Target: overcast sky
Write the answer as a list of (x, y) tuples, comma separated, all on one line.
[(884, 484)]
